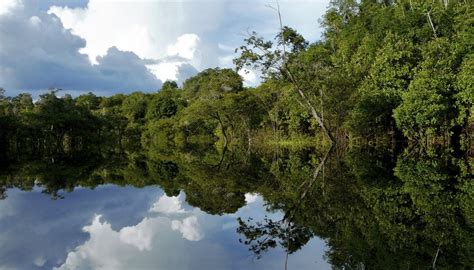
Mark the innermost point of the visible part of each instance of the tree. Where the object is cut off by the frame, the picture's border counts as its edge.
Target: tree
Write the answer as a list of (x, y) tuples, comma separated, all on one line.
[(465, 99), (212, 84), (266, 234), (427, 107), (380, 93), (275, 61), (89, 101), (206, 94), (169, 85), (134, 106), (164, 103)]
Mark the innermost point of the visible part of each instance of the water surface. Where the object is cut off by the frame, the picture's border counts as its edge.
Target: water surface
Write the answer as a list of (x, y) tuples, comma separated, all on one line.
[(210, 209)]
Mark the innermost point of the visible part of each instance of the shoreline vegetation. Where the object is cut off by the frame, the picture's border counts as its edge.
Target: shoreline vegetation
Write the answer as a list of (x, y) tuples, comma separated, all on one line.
[(383, 72)]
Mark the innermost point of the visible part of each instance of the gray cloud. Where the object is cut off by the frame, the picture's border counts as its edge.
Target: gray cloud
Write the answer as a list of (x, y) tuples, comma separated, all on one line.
[(38, 50), (185, 71), (124, 70), (26, 230), (36, 53)]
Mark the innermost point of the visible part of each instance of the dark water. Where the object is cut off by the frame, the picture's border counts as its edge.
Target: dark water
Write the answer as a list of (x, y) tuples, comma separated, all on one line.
[(238, 209)]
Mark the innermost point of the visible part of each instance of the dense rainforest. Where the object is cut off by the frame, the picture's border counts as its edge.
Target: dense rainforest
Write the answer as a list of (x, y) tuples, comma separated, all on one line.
[(383, 71), (390, 84)]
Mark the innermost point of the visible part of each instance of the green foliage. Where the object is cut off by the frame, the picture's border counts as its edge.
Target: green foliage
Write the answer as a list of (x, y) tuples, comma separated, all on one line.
[(428, 106), (382, 69), (465, 99), (380, 93), (212, 84), (372, 208), (161, 106), (134, 106), (88, 101), (159, 134)]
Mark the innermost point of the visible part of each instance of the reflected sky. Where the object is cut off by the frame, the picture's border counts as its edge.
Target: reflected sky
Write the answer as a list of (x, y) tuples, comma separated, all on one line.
[(114, 227)]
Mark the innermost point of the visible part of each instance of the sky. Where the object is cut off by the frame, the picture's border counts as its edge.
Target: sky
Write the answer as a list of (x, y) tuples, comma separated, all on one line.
[(117, 228), (109, 47)]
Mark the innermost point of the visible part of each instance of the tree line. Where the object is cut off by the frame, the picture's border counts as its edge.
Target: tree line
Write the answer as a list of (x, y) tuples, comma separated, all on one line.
[(383, 70)]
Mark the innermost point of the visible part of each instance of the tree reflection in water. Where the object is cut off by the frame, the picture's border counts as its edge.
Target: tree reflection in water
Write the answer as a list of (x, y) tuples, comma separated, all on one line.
[(375, 209)]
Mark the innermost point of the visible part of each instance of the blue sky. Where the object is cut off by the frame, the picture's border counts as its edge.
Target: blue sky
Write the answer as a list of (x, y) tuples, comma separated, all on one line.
[(117, 46)]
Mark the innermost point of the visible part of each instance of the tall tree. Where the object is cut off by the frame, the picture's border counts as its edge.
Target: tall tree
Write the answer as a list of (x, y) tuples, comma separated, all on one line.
[(274, 60)]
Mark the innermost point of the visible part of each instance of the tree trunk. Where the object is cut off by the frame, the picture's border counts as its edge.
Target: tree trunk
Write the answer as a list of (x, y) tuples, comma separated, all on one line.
[(431, 23), (222, 129), (286, 70), (312, 109)]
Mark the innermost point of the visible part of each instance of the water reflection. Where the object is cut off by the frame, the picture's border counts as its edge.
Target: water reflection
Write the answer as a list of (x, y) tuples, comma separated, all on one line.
[(199, 209), (128, 228)]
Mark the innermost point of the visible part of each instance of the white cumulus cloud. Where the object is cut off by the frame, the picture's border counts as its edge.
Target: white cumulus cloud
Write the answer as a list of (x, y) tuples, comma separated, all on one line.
[(7, 6), (132, 246), (140, 236), (185, 46), (168, 205), (251, 197), (189, 228)]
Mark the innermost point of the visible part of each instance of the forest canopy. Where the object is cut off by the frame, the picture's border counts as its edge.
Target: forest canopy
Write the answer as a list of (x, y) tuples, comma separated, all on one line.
[(382, 71)]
